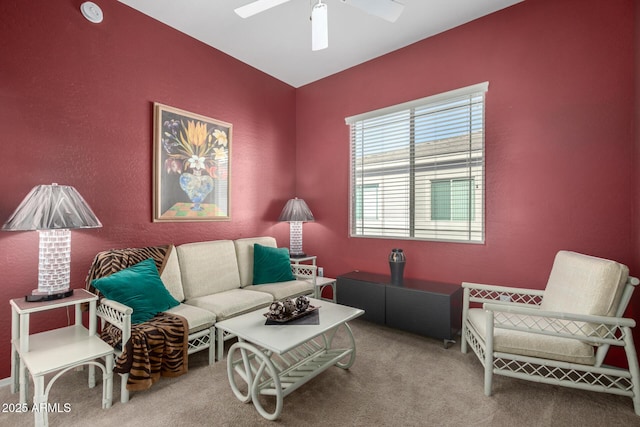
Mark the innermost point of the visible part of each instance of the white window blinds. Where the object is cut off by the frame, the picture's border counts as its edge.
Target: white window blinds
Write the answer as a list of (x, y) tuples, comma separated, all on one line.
[(417, 169)]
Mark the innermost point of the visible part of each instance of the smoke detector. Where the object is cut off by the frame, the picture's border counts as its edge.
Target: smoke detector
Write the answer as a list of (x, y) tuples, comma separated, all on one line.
[(91, 11)]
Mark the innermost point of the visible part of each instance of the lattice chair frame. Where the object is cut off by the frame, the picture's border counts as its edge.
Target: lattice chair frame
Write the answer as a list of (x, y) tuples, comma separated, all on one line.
[(518, 309), (119, 315), (301, 272)]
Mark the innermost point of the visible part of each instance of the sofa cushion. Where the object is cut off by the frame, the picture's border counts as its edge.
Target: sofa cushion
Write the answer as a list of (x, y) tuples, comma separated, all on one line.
[(232, 303), (271, 265), (197, 318), (279, 291), (244, 253), (208, 268), (583, 284), (171, 276), (138, 287), (534, 345)]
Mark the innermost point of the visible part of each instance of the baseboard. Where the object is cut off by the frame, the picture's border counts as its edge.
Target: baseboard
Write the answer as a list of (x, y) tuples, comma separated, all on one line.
[(5, 382)]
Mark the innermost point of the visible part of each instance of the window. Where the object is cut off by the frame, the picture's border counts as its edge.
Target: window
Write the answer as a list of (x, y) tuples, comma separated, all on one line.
[(451, 199), (367, 205), (417, 169)]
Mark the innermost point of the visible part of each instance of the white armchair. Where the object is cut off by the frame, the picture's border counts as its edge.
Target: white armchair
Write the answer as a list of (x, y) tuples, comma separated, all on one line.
[(559, 335)]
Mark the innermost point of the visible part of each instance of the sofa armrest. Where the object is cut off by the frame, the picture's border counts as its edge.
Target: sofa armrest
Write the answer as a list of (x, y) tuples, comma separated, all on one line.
[(117, 314), (305, 272)]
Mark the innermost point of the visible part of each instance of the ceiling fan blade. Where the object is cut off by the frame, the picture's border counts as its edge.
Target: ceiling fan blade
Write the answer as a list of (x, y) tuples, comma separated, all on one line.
[(388, 10), (257, 6), (319, 27)]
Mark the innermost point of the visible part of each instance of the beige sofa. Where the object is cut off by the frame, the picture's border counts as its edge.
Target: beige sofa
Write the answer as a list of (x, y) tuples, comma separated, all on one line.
[(213, 281)]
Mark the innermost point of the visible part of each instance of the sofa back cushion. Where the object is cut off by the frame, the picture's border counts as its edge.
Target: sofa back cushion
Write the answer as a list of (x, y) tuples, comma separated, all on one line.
[(208, 268), (583, 284), (244, 252), (170, 274)]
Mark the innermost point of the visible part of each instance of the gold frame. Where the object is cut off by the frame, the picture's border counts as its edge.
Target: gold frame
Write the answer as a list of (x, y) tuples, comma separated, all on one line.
[(191, 166)]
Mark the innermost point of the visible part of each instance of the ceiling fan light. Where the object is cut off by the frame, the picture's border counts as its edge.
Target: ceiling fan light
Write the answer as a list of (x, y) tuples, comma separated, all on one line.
[(319, 27), (256, 7)]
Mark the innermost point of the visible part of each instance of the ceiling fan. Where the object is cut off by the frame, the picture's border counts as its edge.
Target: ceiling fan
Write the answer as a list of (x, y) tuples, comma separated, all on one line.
[(388, 10)]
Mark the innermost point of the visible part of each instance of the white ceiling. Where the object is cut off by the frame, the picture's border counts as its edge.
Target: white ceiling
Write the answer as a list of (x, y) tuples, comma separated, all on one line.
[(278, 41)]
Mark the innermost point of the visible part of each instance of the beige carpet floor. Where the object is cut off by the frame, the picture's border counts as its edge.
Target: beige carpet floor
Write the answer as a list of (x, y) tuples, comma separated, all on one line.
[(398, 379)]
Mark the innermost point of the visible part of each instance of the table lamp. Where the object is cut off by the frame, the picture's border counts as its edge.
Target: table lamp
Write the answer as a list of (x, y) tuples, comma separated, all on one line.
[(296, 212), (53, 210)]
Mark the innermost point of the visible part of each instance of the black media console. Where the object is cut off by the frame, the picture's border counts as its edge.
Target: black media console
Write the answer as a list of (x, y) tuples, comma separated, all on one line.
[(423, 307)]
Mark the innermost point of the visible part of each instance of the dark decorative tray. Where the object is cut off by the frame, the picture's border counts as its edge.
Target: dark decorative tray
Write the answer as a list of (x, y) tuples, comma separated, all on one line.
[(295, 315)]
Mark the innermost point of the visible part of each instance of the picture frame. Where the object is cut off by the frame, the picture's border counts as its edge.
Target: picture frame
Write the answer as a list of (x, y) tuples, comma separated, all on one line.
[(191, 167)]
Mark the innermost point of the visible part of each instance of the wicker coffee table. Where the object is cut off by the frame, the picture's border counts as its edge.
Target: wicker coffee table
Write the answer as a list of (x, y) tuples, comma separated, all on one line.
[(274, 360)]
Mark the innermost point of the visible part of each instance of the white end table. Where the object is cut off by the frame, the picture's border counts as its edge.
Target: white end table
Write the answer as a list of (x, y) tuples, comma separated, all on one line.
[(57, 350), (303, 260), (321, 282)]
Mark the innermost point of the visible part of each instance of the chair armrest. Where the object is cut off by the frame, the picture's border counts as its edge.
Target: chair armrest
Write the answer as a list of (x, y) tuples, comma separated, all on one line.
[(119, 315), (477, 292), (594, 329)]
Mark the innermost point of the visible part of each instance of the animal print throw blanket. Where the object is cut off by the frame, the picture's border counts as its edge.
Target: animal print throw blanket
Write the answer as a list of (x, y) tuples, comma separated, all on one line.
[(157, 347)]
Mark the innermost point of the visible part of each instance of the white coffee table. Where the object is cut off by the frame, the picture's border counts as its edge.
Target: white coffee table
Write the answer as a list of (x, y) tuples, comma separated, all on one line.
[(274, 360)]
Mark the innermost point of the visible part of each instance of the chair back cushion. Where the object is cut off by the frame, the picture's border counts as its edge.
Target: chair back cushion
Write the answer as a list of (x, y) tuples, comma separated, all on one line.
[(244, 252), (583, 284), (171, 276), (208, 268)]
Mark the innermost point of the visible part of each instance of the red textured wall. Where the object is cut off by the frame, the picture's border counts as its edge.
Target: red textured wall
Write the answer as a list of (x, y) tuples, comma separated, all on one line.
[(560, 165), (76, 108), (635, 307)]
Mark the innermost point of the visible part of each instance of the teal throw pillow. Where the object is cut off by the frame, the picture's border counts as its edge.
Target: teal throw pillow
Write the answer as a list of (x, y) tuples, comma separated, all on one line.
[(271, 265), (138, 287)]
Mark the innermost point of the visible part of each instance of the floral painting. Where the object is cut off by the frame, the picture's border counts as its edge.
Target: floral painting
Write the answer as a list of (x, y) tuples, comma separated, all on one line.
[(191, 166)]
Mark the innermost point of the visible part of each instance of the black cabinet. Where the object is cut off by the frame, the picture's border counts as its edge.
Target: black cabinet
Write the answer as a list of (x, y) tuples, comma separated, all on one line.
[(357, 292), (423, 307)]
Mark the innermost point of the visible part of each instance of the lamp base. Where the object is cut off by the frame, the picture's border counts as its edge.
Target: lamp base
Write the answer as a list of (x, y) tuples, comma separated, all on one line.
[(297, 255), (42, 296)]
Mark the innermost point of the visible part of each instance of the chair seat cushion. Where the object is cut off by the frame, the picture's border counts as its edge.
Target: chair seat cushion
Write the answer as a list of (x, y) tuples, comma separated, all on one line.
[(232, 302), (530, 344), (197, 318)]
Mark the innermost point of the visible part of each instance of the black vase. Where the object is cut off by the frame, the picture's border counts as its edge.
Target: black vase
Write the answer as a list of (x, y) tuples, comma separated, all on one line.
[(397, 260)]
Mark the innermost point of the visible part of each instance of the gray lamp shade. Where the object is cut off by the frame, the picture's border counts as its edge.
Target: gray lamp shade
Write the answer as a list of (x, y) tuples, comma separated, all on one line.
[(296, 210), (52, 207)]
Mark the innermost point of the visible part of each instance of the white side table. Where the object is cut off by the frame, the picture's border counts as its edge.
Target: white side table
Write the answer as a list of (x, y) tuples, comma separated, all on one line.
[(321, 282), (57, 350), (303, 260)]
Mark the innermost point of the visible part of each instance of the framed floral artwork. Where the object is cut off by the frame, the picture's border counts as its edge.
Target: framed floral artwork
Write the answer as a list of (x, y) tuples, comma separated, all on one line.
[(191, 166)]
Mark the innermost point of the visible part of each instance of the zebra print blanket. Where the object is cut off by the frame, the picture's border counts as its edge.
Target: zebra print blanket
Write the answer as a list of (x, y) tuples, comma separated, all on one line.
[(157, 347)]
